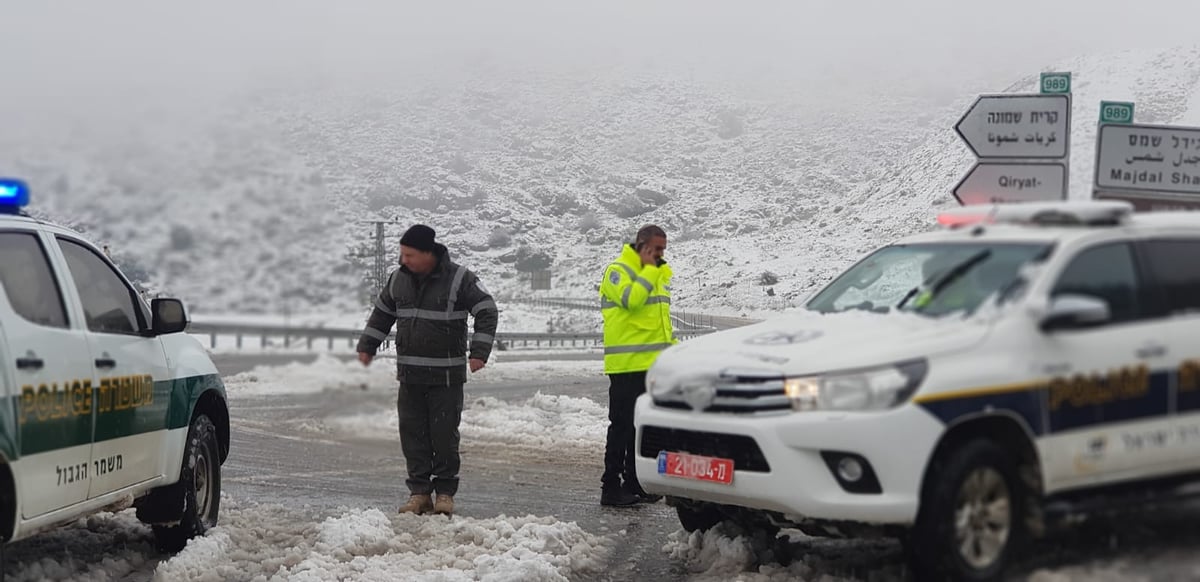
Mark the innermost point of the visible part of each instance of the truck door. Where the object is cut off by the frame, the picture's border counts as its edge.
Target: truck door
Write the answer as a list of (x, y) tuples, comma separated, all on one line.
[(53, 376), (133, 393)]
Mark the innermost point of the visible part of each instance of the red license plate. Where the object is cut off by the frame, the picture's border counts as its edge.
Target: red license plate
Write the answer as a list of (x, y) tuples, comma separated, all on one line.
[(690, 466)]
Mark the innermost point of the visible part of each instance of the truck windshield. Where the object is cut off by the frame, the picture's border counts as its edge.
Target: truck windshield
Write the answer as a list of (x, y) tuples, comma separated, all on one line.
[(914, 278)]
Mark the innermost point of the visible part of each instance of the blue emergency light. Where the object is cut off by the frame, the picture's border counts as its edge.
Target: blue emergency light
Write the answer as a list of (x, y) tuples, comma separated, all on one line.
[(13, 195)]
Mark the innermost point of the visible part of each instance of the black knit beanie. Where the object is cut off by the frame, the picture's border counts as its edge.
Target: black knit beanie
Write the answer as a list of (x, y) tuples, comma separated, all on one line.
[(419, 237)]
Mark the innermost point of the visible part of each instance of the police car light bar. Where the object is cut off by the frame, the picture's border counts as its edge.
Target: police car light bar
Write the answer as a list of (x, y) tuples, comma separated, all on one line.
[(13, 195), (1075, 213)]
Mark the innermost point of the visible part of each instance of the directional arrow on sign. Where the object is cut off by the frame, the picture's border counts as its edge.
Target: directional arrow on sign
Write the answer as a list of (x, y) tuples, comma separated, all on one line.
[(992, 182), (1017, 126)]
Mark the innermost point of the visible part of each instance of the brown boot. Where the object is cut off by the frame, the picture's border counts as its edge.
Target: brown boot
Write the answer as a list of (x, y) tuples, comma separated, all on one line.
[(444, 505), (418, 504)]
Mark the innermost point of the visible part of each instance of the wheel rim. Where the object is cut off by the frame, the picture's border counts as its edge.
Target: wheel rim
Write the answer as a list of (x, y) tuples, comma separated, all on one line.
[(983, 517), (203, 483)]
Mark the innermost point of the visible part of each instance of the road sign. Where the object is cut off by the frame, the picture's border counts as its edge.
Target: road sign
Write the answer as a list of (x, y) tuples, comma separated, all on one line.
[(1152, 203), (991, 182), (1148, 158), (1056, 83), (539, 280), (1116, 112), (1017, 126)]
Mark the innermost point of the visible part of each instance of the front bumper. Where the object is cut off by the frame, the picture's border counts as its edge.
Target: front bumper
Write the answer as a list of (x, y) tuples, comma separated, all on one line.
[(799, 483)]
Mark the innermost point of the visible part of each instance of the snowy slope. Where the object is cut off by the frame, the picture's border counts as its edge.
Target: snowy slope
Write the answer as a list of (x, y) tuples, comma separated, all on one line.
[(1164, 84), (258, 201)]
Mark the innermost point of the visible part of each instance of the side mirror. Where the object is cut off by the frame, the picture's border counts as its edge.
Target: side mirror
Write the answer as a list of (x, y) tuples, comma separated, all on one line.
[(169, 316), (1074, 312)]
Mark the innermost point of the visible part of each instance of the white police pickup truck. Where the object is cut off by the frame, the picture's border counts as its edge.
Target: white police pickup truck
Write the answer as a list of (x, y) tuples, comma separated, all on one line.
[(105, 400), (953, 388)]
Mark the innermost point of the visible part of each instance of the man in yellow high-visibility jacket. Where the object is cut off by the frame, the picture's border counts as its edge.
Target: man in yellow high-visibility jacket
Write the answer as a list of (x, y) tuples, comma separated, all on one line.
[(635, 299)]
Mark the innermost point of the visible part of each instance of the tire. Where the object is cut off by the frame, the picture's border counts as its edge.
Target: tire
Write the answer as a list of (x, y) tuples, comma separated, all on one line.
[(198, 491), (971, 521), (700, 517)]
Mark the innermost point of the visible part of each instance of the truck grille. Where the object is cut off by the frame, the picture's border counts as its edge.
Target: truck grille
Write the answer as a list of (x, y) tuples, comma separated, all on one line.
[(741, 449), (737, 391)]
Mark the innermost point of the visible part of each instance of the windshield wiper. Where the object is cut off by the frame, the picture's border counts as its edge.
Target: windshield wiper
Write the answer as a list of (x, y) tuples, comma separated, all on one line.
[(950, 276)]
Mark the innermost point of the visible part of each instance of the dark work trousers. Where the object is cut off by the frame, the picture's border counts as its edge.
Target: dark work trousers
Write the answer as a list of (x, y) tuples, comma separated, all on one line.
[(620, 448), (429, 417)]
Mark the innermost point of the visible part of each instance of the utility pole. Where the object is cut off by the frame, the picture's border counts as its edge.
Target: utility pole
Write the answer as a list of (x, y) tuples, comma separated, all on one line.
[(379, 272)]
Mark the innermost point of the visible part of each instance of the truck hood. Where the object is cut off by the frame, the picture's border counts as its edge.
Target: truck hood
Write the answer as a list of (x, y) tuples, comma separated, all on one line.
[(808, 343)]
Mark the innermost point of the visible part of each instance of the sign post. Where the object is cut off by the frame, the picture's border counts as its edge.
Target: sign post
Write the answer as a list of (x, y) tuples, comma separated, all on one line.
[(1022, 143), (539, 280)]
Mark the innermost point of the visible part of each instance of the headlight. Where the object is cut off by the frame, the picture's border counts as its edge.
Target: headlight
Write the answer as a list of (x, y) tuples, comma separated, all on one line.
[(870, 389)]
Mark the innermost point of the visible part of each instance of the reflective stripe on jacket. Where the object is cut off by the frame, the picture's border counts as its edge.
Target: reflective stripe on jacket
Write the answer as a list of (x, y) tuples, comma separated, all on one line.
[(430, 315), (636, 304)]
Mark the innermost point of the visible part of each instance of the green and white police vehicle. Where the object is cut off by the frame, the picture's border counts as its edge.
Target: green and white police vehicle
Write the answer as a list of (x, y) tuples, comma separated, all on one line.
[(106, 401), (954, 388)]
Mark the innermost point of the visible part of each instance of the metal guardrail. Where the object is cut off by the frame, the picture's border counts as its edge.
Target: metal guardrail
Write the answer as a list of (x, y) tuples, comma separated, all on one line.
[(291, 336), (687, 326), (681, 319)]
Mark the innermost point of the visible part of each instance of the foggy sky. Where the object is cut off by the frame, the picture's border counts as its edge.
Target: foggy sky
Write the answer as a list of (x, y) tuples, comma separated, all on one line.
[(75, 53)]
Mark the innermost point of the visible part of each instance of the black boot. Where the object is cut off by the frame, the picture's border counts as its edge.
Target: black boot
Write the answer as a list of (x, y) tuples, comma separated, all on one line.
[(618, 497), (643, 497)]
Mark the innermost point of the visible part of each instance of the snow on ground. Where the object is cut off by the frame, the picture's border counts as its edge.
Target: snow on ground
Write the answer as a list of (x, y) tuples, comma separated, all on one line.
[(541, 421), (330, 373), (519, 317), (297, 319), (277, 543), (722, 554), (326, 373), (544, 421)]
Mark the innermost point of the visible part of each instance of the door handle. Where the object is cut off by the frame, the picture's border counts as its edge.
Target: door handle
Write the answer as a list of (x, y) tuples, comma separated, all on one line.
[(106, 363), (28, 363), (1151, 351)]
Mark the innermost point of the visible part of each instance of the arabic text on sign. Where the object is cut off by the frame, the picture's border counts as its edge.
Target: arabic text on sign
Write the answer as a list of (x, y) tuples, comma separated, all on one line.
[(1147, 158), (1190, 160), (1001, 139)]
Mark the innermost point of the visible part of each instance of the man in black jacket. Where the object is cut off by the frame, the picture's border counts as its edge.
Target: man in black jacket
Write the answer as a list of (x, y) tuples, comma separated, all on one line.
[(429, 298)]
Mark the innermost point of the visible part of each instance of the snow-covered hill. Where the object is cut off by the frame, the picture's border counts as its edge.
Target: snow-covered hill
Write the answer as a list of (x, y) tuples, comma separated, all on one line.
[(257, 204), (905, 196)]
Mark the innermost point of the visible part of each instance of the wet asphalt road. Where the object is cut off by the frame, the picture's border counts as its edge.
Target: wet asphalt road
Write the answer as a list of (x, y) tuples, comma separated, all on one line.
[(275, 457), (281, 454)]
